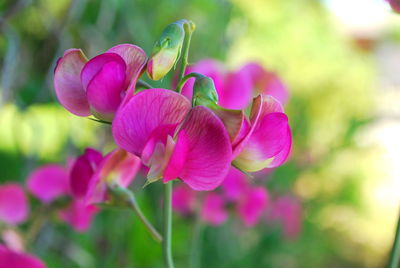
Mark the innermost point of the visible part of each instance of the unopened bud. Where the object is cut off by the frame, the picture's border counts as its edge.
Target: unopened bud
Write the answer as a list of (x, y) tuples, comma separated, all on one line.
[(204, 92)]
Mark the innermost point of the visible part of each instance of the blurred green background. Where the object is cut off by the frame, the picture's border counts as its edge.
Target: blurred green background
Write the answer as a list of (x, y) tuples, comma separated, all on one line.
[(340, 61)]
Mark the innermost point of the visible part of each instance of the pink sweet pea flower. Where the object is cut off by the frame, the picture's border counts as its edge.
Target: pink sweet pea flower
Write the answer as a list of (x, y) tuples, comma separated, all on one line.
[(395, 4), (287, 210), (99, 85), (183, 199), (82, 172), (213, 210), (49, 182), (118, 167), (252, 205), (13, 259), (174, 139), (13, 204), (79, 215), (268, 141)]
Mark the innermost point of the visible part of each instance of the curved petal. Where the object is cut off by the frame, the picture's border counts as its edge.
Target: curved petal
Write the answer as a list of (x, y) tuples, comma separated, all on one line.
[(105, 91), (49, 182), (82, 172), (118, 167), (135, 59), (13, 204), (67, 83), (252, 206), (213, 210), (145, 111), (270, 138), (209, 152), (13, 259)]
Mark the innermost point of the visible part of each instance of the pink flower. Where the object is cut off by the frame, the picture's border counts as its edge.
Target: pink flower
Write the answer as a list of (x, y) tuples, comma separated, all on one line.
[(213, 210), (99, 85), (395, 4), (118, 167), (49, 182), (79, 215), (83, 170), (13, 259), (13, 204), (237, 88), (252, 205), (268, 139), (183, 199), (287, 210), (174, 139)]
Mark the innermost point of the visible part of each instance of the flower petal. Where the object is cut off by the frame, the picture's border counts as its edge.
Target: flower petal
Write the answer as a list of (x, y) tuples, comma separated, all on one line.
[(183, 199), (67, 82), (82, 172), (145, 111), (13, 259), (118, 167), (49, 182), (135, 59), (235, 185), (209, 150), (13, 204)]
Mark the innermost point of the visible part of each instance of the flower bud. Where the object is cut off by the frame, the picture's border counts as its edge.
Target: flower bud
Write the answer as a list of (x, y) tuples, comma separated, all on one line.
[(204, 92), (167, 49)]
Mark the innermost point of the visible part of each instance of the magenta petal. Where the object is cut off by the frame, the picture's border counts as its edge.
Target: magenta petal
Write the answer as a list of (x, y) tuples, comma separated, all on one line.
[(253, 205), (49, 182), (79, 215), (119, 167), (13, 259), (235, 185), (183, 199), (82, 172), (287, 210), (67, 82), (13, 204), (213, 210), (178, 157), (145, 111), (135, 59), (209, 152)]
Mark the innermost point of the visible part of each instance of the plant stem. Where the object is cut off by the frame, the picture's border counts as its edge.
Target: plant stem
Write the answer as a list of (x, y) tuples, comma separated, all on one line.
[(37, 224), (154, 233), (185, 78), (188, 26), (395, 255), (143, 84), (167, 225), (129, 197)]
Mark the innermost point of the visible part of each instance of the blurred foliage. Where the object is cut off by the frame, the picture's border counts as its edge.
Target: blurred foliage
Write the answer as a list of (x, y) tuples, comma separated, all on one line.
[(331, 103)]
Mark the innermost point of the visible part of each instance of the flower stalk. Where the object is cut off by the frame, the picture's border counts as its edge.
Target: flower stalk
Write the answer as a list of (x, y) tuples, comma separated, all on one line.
[(395, 255), (167, 251)]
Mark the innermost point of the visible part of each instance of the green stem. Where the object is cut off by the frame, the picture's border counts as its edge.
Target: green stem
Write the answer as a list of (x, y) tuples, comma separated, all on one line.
[(188, 26), (169, 263), (37, 224), (184, 80), (127, 195), (395, 255), (100, 121)]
